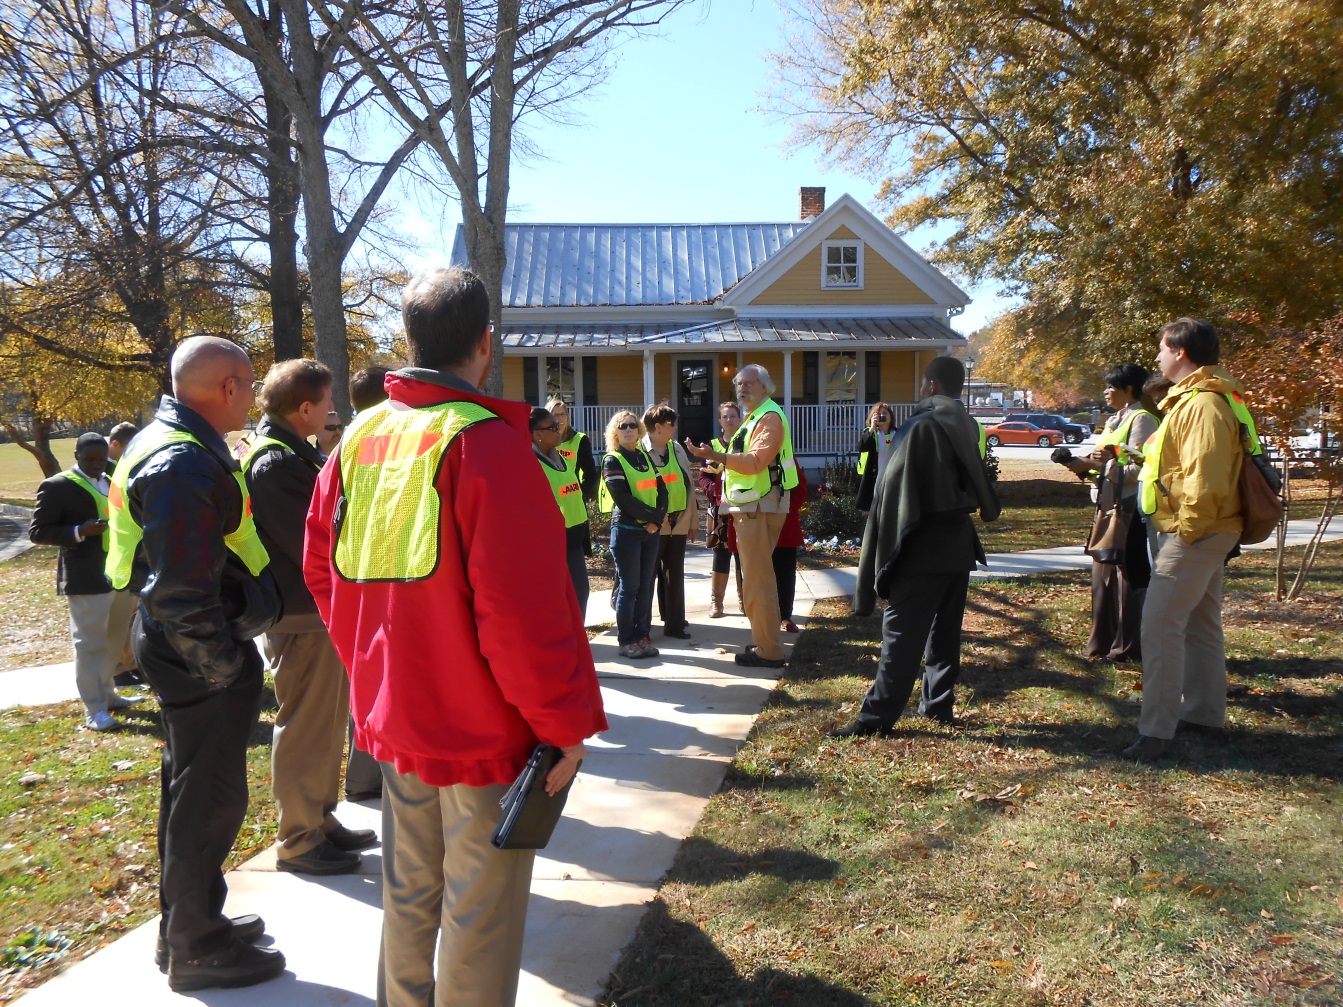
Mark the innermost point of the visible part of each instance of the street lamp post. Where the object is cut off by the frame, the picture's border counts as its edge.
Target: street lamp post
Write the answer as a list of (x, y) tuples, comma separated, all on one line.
[(969, 370)]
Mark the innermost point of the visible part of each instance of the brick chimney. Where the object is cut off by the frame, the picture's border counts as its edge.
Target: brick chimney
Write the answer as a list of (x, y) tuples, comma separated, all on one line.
[(811, 201)]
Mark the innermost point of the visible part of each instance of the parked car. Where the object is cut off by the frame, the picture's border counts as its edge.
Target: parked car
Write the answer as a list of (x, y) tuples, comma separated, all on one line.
[(1073, 433), (1021, 433)]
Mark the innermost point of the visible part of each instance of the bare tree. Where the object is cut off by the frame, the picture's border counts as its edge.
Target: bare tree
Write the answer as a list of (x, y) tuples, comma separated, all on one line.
[(461, 74)]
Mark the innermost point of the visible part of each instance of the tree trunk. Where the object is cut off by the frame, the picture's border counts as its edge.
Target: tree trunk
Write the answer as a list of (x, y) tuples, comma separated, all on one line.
[(39, 447), (282, 197)]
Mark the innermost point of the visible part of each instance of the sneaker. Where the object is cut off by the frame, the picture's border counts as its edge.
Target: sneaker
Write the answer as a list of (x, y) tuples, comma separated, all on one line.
[(249, 929), (351, 839), (632, 650), (646, 649), (116, 702), (239, 964), (100, 721), (324, 858)]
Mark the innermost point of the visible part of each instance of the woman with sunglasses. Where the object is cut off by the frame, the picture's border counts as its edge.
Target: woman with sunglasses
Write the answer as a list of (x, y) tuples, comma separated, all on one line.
[(635, 496), (875, 448)]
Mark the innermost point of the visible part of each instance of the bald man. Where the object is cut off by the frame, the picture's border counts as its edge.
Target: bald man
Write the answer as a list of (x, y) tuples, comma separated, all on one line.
[(181, 525)]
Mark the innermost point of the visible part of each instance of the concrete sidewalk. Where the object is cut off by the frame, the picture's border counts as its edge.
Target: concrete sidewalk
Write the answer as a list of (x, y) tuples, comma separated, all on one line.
[(675, 725)]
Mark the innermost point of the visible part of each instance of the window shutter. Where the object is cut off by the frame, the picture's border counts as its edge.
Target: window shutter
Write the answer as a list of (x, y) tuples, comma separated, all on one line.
[(811, 378), (872, 377), (531, 381), (589, 381)]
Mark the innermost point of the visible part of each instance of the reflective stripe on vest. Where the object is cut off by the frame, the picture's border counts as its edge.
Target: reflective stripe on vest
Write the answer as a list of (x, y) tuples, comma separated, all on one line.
[(743, 489), (387, 520), (675, 478), (99, 500), (643, 485), (568, 491), (125, 535), (1148, 483), (1119, 435)]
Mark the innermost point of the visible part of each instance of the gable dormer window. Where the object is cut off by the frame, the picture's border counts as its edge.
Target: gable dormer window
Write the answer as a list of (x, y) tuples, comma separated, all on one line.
[(841, 265)]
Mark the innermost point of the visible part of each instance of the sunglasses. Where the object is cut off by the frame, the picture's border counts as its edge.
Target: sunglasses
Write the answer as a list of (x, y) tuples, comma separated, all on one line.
[(628, 426), (552, 426), (334, 428)]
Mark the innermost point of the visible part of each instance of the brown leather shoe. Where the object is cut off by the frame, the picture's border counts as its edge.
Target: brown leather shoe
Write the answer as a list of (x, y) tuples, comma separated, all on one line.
[(1147, 749)]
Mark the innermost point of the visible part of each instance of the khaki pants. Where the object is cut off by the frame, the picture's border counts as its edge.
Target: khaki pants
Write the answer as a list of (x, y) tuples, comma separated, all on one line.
[(98, 626), (444, 885), (1183, 651), (313, 693), (757, 535)]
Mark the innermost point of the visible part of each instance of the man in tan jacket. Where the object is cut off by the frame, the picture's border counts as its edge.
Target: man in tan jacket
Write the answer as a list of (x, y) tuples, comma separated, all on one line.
[(1188, 489)]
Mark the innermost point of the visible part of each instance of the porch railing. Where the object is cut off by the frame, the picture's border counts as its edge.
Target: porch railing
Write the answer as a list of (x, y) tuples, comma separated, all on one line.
[(831, 429)]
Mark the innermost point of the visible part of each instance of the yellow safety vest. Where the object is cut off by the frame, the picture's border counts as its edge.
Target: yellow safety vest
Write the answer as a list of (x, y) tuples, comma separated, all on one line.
[(568, 491), (125, 534), (743, 489), (387, 520), (568, 448), (99, 501), (862, 455), (983, 439), (714, 468), (676, 479), (255, 446), (643, 485), (1148, 484), (1120, 434)]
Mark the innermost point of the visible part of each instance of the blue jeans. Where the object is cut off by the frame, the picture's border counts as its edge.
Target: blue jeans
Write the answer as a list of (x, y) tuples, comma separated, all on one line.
[(635, 552)]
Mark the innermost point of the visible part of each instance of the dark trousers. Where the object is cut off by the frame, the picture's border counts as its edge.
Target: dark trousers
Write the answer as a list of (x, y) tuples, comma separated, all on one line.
[(203, 791), (576, 546), (785, 578), (671, 583), (635, 552), (363, 775), (920, 631), (1118, 591)]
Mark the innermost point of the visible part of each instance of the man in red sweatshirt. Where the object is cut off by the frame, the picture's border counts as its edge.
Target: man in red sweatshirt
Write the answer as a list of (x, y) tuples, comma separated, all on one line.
[(431, 536)]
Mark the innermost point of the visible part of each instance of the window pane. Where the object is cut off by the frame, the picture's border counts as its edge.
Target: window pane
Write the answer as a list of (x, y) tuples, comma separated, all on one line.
[(841, 377), (560, 379)]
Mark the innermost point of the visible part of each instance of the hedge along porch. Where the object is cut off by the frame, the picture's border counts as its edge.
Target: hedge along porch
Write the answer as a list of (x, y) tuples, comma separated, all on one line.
[(839, 310)]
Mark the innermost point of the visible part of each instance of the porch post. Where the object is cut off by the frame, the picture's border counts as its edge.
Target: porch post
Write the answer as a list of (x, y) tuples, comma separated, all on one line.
[(788, 384), (648, 380)]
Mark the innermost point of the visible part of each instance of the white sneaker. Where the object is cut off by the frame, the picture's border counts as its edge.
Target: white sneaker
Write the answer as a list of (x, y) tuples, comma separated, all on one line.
[(122, 702), (100, 721)]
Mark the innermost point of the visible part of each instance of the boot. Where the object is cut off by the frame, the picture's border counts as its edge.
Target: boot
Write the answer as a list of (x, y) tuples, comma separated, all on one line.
[(719, 588)]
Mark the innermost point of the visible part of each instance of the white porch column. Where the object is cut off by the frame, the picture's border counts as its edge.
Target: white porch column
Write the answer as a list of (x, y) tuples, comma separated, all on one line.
[(649, 397), (788, 384)]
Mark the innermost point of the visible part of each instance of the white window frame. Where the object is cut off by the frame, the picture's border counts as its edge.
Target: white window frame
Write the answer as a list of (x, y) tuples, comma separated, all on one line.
[(826, 284)]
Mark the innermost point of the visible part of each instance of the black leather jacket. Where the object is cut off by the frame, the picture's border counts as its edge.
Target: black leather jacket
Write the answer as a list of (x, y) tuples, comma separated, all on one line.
[(197, 594)]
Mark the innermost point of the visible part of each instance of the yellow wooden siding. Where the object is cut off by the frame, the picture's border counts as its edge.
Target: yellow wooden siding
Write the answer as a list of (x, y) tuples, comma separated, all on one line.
[(512, 378), (882, 282), (620, 380), (897, 375)]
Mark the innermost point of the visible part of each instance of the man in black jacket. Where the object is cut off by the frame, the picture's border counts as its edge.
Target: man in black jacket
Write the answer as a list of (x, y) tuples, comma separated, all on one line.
[(180, 511), (310, 682), (71, 513), (918, 550)]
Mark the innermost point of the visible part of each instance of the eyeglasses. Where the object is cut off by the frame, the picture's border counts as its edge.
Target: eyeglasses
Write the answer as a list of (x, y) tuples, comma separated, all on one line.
[(628, 426), (552, 426), (334, 428)]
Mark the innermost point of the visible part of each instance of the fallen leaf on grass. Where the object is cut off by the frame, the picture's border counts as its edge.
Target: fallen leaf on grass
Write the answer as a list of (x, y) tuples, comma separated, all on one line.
[(746, 929), (797, 954), (1030, 865), (1283, 939), (1001, 966)]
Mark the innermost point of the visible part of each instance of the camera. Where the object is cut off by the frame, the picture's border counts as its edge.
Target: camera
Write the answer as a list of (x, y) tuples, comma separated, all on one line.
[(1061, 456)]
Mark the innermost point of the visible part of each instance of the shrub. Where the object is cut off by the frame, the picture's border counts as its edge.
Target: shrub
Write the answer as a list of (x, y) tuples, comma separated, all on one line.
[(833, 516)]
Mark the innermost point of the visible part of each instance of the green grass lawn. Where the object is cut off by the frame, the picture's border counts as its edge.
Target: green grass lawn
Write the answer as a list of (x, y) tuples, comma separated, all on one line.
[(1017, 860), (20, 473), (36, 625)]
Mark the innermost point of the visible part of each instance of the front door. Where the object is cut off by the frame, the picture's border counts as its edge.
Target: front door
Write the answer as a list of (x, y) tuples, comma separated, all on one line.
[(694, 400)]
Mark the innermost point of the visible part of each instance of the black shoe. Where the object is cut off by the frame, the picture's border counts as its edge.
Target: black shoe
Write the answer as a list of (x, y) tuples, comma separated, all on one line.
[(1147, 749), (752, 659), (324, 858), (1203, 730), (249, 929), (351, 839), (948, 719), (680, 634), (128, 678), (239, 965), (363, 795), (860, 730)]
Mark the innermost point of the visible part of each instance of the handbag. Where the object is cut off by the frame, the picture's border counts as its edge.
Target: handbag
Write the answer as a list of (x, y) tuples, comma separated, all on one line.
[(529, 813), (1261, 508), (1109, 527)]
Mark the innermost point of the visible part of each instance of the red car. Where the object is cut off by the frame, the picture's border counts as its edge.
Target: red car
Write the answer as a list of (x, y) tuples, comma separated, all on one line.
[(1022, 433)]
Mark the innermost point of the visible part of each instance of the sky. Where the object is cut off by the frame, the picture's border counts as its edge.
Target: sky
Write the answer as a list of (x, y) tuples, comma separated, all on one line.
[(678, 133)]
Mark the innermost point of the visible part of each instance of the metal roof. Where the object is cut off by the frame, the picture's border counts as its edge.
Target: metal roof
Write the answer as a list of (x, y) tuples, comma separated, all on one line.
[(806, 332), (588, 265)]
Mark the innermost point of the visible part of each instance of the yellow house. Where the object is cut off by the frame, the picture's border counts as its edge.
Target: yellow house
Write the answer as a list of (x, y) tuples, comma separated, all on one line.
[(838, 308)]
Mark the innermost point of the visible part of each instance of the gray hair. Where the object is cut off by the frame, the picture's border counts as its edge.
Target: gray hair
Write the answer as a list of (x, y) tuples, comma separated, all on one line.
[(761, 375)]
